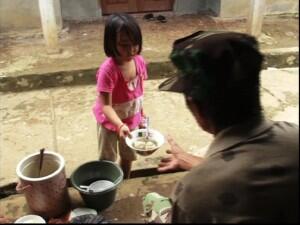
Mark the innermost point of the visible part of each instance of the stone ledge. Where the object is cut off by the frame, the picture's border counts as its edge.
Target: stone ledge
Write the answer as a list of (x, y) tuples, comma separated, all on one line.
[(279, 58)]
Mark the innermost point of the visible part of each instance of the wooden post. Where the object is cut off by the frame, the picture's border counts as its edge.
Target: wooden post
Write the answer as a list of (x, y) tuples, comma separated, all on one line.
[(49, 25), (256, 16)]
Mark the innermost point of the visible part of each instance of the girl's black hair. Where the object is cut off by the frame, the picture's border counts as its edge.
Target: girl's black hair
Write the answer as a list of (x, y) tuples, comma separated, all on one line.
[(120, 22)]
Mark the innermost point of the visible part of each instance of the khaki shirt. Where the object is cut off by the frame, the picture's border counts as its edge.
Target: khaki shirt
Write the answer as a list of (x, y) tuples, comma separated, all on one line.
[(250, 174)]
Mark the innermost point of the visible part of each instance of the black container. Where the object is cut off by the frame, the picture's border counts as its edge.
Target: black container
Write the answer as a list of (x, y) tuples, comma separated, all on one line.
[(93, 171)]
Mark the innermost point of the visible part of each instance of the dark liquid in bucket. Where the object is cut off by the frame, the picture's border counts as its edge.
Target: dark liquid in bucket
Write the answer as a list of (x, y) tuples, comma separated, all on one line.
[(32, 168)]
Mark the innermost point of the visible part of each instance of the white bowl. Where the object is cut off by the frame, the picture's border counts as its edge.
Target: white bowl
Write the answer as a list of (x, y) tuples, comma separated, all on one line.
[(139, 133), (30, 219)]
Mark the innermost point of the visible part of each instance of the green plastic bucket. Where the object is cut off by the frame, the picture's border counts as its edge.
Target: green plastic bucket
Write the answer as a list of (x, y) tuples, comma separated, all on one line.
[(91, 172)]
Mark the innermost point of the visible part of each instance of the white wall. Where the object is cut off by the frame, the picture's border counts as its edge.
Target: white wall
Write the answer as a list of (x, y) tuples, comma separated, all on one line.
[(24, 14), (189, 6), (81, 10), (19, 14), (240, 8)]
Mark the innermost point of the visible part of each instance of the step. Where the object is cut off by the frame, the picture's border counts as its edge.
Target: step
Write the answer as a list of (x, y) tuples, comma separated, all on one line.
[(278, 58)]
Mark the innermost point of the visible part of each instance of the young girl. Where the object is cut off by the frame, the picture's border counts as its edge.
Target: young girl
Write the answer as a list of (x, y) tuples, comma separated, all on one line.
[(118, 108)]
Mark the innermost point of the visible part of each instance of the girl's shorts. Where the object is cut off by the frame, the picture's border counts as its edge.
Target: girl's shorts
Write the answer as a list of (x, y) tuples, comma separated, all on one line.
[(109, 145)]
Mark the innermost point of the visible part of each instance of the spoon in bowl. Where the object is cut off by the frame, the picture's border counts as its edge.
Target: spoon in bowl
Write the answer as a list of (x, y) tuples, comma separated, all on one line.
[(41, 160), (147, 132)]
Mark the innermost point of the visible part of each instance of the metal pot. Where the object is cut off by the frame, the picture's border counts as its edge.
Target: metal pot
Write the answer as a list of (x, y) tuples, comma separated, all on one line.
[(46, 194)]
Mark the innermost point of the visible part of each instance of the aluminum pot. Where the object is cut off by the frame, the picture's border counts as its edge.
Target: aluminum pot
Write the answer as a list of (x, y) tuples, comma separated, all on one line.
[(46, 193)]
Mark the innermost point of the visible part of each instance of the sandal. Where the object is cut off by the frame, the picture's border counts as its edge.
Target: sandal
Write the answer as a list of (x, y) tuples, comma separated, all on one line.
[(161, 19), (148, 16)]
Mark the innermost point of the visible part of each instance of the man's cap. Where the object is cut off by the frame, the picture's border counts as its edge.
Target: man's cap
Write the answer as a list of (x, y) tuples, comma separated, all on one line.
[(212, 59)]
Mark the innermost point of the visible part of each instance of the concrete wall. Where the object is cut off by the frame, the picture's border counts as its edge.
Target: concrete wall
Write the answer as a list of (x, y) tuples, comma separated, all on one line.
[(240, 8), (278, 7), (24, 14), (19, 14), (189, 6), (233, 8), (214, 6), (79, 10)]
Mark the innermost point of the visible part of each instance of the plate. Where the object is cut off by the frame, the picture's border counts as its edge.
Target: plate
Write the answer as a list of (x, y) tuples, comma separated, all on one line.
[(30, 219)]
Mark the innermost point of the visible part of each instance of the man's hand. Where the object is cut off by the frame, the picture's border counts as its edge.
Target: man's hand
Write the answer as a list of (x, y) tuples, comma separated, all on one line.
[(178, 160), (4, 220)]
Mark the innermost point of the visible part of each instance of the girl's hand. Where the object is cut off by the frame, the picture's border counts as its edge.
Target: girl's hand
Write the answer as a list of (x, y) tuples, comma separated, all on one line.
[(143, 123), (124, 131)]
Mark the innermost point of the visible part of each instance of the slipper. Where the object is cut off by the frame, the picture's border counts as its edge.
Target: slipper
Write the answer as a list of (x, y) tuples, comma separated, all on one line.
[(161, 19), (148, 16)]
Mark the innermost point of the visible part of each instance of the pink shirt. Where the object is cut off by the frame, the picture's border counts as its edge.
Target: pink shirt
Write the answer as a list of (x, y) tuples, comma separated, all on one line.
[(125, 101)]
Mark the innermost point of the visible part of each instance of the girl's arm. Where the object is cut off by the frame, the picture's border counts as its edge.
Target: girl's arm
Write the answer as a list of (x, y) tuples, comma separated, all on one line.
[(111, 114)]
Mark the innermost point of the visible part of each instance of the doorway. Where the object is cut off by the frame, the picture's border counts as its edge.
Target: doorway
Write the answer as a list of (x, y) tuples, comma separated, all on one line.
[(135, 6)]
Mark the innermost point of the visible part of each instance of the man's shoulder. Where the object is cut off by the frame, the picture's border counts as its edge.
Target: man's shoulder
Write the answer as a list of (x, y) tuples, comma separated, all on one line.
[(286, 126), (287, 134)]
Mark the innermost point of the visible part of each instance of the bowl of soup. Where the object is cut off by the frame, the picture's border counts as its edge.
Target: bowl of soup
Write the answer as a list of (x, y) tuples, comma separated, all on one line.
[(144, 143)]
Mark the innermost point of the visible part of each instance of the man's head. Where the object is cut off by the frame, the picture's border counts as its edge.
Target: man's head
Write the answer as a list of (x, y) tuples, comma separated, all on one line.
[(219, 73)]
